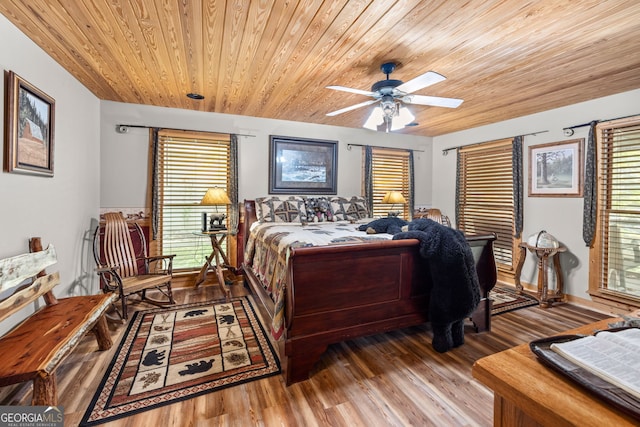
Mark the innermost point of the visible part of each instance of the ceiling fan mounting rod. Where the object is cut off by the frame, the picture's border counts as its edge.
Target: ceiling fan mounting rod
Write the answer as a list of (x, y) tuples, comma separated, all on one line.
[(388, 68)]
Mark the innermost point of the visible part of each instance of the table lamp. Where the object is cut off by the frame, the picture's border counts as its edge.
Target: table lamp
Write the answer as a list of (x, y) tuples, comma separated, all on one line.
[(215, 197), (392, 198)]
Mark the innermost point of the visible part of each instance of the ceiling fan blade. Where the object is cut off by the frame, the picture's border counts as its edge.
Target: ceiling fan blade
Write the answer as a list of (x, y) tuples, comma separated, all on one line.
[(353, 107), (348, 89), (434, 101), (426, 79)]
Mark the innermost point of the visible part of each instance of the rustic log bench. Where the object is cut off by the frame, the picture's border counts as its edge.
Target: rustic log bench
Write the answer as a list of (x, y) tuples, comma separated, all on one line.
[(37, 346)]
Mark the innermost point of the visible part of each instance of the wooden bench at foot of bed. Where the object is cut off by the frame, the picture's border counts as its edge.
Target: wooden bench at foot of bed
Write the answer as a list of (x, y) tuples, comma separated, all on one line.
[(36, 347)]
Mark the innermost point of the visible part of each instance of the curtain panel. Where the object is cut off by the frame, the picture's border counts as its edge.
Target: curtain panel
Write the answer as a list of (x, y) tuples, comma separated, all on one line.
[(411, 186), (590, 192), (368, 176), (155, 211), (517, 186), (232, 186)]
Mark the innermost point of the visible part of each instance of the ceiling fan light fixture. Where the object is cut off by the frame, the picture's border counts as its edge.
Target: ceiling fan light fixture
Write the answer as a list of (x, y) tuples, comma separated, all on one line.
[(389, 106), (405, 116), (376, 118), (395, 126), (396, 116)]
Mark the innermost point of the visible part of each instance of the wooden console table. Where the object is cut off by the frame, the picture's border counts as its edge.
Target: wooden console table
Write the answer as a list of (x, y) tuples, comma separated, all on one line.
[(527, 393), (545, 297)]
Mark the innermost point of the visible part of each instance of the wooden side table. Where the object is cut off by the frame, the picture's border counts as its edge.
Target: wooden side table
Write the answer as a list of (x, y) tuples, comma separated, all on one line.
[(213, 261), (545, 297)]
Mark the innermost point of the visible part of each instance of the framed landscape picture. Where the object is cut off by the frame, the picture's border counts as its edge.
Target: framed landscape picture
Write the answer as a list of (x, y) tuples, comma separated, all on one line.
[(302, 166), (29, 125), (556, 169)]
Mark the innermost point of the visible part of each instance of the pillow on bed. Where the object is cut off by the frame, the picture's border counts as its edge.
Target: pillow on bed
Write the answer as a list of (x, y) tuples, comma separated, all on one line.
[(274, 209), (349, 209)]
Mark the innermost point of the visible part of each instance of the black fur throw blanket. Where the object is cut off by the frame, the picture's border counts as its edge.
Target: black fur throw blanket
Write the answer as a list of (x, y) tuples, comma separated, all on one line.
[(455, 293), (390, 225)]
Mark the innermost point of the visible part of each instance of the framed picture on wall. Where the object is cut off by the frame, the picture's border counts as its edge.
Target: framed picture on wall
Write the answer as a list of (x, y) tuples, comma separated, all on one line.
[(302, 166), (556, 169), (29, 125)]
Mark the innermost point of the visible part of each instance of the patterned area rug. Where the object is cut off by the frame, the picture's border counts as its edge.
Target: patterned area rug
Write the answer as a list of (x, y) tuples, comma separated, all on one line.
[(176, 353), (505, 299)]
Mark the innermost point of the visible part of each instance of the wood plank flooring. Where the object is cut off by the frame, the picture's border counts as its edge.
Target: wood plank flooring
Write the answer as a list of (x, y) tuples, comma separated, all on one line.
[(392, 379)]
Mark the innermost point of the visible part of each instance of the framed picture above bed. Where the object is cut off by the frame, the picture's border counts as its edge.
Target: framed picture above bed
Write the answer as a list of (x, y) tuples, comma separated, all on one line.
[(302, 166)]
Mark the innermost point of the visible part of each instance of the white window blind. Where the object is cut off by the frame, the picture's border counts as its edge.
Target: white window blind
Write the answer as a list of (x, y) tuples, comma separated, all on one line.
[(390, 171), (188, 164), (486, 196), (619, 206)]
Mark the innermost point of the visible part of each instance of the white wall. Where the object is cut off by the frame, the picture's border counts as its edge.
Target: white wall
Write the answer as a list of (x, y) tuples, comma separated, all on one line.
[(562, 217), (58, 209), (124, 156)]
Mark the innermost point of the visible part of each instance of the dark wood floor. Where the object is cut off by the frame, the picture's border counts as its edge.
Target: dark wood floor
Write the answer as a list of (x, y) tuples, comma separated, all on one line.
[(392, 379)]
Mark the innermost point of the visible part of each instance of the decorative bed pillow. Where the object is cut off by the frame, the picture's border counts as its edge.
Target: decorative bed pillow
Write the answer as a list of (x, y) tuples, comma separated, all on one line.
[(273, 209), (264, 208), (318, 209), (349, 209)]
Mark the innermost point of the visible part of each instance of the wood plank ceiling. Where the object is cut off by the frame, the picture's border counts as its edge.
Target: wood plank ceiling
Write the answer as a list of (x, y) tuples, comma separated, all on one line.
[(505, 58)]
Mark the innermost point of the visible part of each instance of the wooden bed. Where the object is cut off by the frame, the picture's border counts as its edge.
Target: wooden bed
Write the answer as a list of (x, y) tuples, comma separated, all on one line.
[(336, 293)]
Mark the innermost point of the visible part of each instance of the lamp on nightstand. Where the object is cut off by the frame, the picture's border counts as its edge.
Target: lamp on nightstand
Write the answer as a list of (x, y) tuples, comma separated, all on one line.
[(215, 197), (392, 198)]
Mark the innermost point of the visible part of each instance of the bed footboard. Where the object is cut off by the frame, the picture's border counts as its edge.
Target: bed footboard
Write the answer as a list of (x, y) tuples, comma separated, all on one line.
[(482, 248), (339, 293)]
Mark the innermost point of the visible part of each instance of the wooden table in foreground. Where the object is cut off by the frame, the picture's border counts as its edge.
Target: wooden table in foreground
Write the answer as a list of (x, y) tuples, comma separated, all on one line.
[(527, 393)]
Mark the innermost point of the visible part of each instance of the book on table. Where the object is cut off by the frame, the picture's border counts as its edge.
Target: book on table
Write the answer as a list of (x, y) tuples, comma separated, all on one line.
[(612, 356)]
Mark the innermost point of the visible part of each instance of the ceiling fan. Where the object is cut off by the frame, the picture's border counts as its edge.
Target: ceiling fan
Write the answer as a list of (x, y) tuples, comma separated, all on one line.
[(391, 94)]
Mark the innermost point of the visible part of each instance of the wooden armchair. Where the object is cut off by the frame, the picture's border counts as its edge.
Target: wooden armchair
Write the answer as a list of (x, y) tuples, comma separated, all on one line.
[(120, 251), (433, 214)]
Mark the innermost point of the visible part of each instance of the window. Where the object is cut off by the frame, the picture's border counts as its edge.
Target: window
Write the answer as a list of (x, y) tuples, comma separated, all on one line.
[(615, 255), (188, 164), (390, 170), (485, 205)]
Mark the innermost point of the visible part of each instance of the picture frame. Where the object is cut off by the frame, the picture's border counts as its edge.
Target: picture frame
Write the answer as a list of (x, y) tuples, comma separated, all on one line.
[(302, 165), (556, 169), (29, 128)]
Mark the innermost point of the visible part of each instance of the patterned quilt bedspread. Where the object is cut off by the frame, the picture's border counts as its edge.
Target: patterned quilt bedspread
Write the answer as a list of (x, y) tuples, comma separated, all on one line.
[(269, 244)]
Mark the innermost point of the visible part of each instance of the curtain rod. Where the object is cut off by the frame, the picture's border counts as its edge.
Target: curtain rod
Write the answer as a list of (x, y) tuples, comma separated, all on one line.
[(587, 124), (391, 148), (446, 150), (124, 129)]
